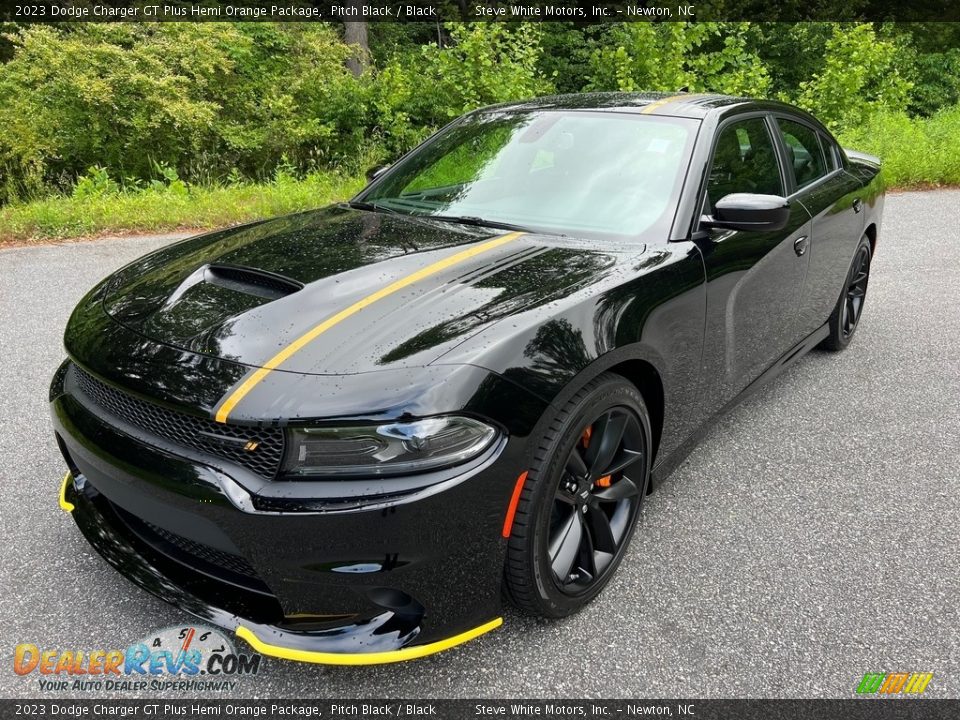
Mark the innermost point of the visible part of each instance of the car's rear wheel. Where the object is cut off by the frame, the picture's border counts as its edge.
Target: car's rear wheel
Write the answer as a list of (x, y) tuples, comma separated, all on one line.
[(846, 315), (580, 502)]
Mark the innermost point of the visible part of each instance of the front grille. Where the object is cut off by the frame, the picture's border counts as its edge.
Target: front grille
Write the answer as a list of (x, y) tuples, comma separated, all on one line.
[(224, 441), (219, 558)]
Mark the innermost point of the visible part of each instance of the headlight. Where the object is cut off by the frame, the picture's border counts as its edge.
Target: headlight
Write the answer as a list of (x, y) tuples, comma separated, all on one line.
[(393, 449)]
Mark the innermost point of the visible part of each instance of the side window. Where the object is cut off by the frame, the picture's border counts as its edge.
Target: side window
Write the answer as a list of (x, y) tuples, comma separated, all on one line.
[(832, 152), (804, 152), (744, 161)]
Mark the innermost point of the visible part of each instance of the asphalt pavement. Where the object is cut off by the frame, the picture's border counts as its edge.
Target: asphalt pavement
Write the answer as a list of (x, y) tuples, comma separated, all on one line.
[(813, 535)]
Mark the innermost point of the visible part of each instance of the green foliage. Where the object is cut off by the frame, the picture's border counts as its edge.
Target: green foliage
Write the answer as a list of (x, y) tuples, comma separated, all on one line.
[(566, 53), (418, 91), (486, 63), (167, 179), (860, 76), (914, 151), (792, 53), (466, 161), (201, 98), (164, 208), (97, 183), (715, 57), (936, 81), (98, 110)]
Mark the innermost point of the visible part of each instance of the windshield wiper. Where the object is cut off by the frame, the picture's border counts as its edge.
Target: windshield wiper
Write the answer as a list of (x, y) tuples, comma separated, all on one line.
[(476, 221), (462, 219), (372, 207)]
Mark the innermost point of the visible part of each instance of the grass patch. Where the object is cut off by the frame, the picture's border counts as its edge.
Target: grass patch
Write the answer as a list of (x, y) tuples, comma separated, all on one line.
[(916, 152), (169, 208)]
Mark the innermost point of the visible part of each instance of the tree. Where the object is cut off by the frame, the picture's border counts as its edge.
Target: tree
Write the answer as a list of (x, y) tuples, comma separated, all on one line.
[(355, 35)]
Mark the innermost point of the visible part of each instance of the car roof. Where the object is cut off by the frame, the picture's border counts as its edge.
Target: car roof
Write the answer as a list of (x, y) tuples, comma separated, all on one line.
[(682, 104)]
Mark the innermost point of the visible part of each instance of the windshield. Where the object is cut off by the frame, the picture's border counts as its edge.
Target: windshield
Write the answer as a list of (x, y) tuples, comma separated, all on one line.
[(580, 173)]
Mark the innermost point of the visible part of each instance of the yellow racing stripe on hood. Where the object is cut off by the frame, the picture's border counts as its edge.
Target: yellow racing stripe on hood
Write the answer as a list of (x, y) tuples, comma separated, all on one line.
[(254, 378)]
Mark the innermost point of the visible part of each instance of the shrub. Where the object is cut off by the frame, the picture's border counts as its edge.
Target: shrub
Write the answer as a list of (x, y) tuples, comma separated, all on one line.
[(914, 151), (486, 63), (936, 78), (95, 184), (859, 77), (712, 57), (202, 98)]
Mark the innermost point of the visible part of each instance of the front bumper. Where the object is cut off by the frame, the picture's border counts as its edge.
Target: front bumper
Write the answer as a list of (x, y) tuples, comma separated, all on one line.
[(394, 579)]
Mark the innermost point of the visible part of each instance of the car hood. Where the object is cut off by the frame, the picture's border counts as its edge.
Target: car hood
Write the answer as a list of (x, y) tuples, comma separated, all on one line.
[(246, 294)]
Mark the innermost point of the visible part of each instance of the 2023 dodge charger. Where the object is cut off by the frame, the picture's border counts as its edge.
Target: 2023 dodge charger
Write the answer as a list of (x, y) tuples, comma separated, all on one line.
[(346, 434)]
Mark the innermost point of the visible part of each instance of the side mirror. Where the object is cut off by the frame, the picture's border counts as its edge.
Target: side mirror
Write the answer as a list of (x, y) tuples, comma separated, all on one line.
[(746, 211), (376, 171)]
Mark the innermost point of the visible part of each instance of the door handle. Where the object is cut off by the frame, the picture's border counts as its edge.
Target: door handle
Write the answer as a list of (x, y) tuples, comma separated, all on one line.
[(857, 205), (800, 245)]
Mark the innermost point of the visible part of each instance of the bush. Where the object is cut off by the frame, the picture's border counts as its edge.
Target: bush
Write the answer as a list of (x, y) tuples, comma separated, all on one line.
[(860, 76), (936, 81), (914, 151), (202, 98), (711, 57), (100, 108), (485, 63)]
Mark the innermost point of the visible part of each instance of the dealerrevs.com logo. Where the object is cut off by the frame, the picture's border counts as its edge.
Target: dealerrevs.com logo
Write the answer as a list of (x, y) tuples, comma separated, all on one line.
[(894, 683), (192, 658)]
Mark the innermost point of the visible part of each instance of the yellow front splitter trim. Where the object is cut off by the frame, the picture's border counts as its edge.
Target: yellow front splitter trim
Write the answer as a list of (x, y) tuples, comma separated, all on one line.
[(65, 504), (373, 658)]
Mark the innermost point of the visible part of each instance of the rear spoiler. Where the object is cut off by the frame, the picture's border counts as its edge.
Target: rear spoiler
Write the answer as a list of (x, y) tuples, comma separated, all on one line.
[(862, 157)]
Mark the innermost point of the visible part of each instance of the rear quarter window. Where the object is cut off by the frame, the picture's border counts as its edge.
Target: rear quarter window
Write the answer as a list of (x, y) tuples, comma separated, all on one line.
[(804, 152)]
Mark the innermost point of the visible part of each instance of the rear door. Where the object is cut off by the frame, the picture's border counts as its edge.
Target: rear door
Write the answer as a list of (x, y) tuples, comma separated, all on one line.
[(754, 279), (818, 182)]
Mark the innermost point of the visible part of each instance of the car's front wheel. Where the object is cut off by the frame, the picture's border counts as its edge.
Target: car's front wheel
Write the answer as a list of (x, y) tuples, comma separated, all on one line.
[(580, 502)]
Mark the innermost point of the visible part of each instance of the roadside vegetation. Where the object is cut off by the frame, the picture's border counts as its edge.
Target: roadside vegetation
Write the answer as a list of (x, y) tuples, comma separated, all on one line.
[(121, 127), (105, 207), (917, 152)]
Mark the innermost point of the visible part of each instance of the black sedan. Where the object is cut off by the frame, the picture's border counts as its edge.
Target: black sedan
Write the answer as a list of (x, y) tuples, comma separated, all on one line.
[(347, 434)]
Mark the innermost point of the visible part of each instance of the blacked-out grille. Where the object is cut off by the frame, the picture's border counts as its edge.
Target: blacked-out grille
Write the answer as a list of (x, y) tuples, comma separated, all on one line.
[(213, 556), (225, 441), (195, 555)]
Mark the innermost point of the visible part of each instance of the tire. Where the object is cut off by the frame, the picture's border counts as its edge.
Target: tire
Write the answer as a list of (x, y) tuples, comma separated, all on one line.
[(553, 503), (849, 309)]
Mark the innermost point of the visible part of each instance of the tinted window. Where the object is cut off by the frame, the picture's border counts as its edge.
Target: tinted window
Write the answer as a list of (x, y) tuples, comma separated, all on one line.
[(803, 152), (744, 161), (832, 152)]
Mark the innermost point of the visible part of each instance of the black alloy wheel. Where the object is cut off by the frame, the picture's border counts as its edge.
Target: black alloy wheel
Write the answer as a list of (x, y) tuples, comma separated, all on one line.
[(595, 501), (580, 504), (846, 315), (856, 291)]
